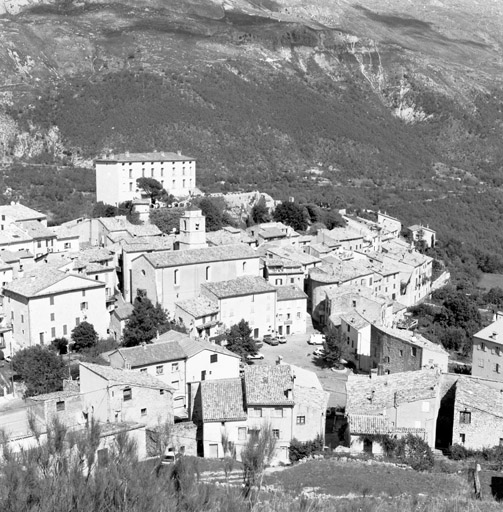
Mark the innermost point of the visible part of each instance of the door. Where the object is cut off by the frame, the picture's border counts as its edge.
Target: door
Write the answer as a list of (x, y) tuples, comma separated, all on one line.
[(255, 333), (367, 445), (288, 329), (213, 451), (203, 375), (280, 330)]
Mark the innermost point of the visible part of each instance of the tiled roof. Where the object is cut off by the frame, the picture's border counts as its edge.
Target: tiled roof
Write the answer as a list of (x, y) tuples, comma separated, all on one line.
[(13, 234), (36, 230), (144, 355), (272, 233), (493, 332), (245, 285), (64, 232), (222, 400), (15, 256), (192, 347), (198, 306), (57, 395), (290, 292), (149, 243), (123, 310), (365, 424), (355, 320), (293, 254), (373, 395), (341, 272), (163, 156), (19, 212), (268, 385), (414, 339), (126, 377), (473, 394), (35, 281), (204, 255)]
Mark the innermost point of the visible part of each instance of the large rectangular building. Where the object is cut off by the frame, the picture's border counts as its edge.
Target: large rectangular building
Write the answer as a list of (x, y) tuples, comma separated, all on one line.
[(116, 175)]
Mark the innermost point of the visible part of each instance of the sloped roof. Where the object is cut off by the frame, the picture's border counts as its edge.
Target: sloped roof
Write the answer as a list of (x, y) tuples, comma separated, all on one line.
[(126, 377), (144, 355), (206, 254), (374, 395), (163, 156), (36, 229), (13, 234), (244, 285), (39, 279), (474, 394), (149, 243), (341, 271), (290, 292), (14, 256), (19, 212), (268, 385), (272, 232), (493, 332), (364, 424), (222, 400), (198, 306)]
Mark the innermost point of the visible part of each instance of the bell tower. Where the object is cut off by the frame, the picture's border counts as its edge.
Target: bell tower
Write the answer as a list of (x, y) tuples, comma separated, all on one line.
[(192, 229)]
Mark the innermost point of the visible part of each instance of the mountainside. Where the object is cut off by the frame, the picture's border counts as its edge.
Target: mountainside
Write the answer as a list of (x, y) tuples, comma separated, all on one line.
[(378, 103)]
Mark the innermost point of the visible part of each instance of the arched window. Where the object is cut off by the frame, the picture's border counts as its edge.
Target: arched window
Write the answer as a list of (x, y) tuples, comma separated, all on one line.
[(175, 276), (207, 273), (244, 266)]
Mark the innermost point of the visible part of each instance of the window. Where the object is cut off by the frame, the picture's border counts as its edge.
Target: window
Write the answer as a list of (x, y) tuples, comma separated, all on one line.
[(386, 359), (159, 370), (214, 358), (465, 417), (143, 411), (77, 321), (242, 433), (127, 394), (174, 367), (482, 346), (41, 338), (53, 332), (130, 174), (481, 363), (53, 316), (400, 352), (277, 412), (413, 351), (83, 305), (65, 330), (130, 186), (83, 293), (175, 384), (60, 406), (161, 391), (275, 433), (462, 438), (301, 420), (143, 370), (425, 406), (22, 319), (278, 282), (244, 266), (256, 412), (175, 276), (496, 367), (348, 328), (207, 273), (51, 301)]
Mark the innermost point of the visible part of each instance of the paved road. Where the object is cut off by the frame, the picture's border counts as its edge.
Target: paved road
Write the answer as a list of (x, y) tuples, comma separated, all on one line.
[(14, 418), (297, 352)]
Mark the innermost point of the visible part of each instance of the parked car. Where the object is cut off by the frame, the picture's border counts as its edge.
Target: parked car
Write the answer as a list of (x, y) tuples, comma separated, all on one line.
[(281, 339), (319, 352), (270, 340), (255, 356), (316, 339)]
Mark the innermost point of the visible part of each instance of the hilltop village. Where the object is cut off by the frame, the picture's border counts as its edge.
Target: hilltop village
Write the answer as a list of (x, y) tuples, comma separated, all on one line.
[(291, 291)]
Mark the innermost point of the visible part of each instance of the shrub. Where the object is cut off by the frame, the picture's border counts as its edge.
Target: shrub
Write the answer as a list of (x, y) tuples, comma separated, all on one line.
[(415, 452), (458, 452), (299, 450)]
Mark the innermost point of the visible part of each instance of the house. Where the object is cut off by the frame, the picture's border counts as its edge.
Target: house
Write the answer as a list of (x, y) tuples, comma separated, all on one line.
[(396, 405), (291, 310), (420, 233), (280, 272), (107, 231), (345, 238), (288, 399), (19, 262), (248, 297), (116, 175), (66, 239), (477, 419), (389, 224), (229, 235), (170, 276), (178, 361), (399, 350), (47, 303), (290, 253), (15, 212), (200, 316), (487, 352), (119, 316), (112, 395)]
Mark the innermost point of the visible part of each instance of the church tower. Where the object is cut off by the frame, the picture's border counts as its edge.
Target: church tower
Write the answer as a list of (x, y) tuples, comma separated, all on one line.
[(192, 229)]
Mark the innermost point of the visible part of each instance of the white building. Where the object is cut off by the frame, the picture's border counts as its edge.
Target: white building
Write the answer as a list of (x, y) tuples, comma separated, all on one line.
[(116, 175), (46, 304), (291, 310)]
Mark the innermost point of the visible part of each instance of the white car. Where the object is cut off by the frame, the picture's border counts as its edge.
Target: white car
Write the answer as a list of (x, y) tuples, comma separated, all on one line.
[(281, 339), (255, 356), (316, 339), (319, 352)]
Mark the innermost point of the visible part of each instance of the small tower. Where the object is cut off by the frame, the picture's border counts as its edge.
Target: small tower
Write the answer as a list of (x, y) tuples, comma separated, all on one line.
[(192, 229)]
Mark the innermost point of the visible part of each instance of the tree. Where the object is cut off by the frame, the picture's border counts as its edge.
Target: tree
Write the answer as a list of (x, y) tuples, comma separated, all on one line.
[(292, 214), (151, 187), (84, 336), (144, 323), (256, 456), (60, 345), (259, 212), (333, 219), (213, 211), (41, 369), (240, 341), (166, 219), (101, 209), (335, 348), (126, 208)]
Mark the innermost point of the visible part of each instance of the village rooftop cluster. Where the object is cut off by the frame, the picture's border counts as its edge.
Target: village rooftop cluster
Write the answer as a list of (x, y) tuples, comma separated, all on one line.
[(358, 279)]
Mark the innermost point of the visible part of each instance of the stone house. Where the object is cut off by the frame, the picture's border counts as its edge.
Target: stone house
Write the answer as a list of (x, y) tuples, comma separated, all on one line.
[(200, 316), (394, 405), (170, 276), (389, 224), (248, 297), (113, 395), (46, 304), (487, 352), (419, 233), (291, 310)]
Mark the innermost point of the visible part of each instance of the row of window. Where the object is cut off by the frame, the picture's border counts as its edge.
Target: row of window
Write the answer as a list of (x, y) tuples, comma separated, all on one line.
[(494, 350), (132, 186), (154, 163), (207, 270), (495, 366)]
